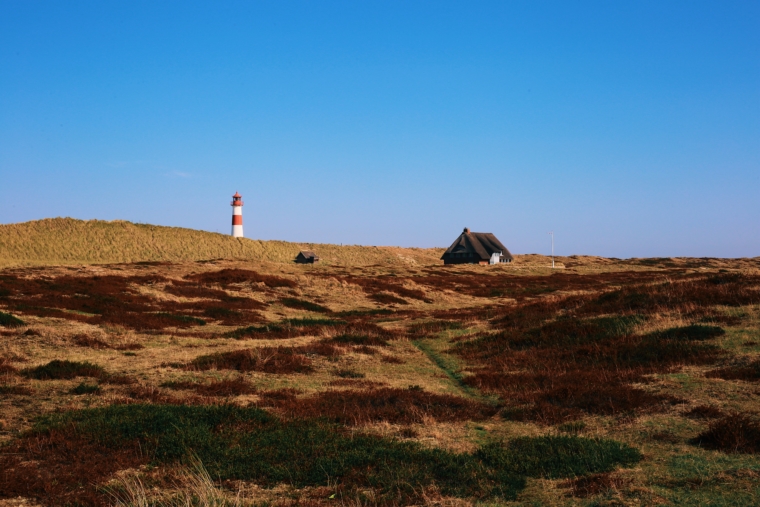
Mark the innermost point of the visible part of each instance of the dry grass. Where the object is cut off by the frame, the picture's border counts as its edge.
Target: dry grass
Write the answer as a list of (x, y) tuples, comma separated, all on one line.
[(69, 241)]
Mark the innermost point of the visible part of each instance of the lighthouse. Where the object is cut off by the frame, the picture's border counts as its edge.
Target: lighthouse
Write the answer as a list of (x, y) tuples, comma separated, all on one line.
[(237, 216)]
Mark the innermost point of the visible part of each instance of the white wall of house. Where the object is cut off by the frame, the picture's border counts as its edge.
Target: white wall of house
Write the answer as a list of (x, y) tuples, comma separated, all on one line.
[(495, 258)]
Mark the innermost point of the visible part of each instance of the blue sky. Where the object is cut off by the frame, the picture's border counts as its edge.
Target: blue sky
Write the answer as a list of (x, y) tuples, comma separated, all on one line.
[(631, 129)]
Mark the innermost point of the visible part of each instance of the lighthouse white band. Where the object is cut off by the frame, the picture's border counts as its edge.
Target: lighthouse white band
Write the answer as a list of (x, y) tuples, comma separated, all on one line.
[(237, 231)]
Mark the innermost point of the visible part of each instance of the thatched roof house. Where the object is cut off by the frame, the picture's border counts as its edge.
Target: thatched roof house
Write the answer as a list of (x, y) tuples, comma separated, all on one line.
[(306, 257), (476, 248)]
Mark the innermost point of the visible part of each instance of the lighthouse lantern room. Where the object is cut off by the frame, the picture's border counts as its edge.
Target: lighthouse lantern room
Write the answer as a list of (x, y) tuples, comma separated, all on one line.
[(237, 215)]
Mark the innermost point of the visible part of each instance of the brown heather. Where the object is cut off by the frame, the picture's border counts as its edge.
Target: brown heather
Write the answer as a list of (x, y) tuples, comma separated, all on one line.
[(401, 406)]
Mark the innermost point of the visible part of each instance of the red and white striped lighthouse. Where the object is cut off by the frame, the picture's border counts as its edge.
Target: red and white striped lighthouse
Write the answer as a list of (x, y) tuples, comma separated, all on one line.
[(237, 216)]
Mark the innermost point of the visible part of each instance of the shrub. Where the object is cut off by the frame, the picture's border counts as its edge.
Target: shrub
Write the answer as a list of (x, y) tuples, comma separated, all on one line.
[(184, 319), (193, 290), (227, 387), (573, 366), (84, 340), (85, 388), (704, 412), (309, 322), (17, 389), (592, 485), (360, 339), (734, 433), (300, 304), (227, 277), (388, 299), (8, 320), (230, 317), (65, 369), (697, 332), (349, 374), (264, 359), (394, 405), (285, 329), (750, 371)]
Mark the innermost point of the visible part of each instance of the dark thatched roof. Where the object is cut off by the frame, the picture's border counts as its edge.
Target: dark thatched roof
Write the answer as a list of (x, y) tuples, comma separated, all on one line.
[(307, 254), (481, 244)]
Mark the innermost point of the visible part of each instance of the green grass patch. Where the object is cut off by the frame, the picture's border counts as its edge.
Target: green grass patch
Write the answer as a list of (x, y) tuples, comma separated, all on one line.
[(251, 444), (8, 320), (553, 457), (447, 364)]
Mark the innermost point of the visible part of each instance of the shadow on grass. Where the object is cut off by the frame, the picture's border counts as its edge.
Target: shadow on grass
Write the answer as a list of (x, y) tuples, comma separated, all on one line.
[(250, 444)]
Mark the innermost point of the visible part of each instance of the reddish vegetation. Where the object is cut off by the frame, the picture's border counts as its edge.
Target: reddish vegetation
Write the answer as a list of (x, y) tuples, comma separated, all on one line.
[(226, 277), (229, 387), (551, 374), (749, 371), (84, 340), (50, 468), (6, 368), (404, 406), (733, 433), (115, 300), (364, 334), (264, 359), (18, 389), (522, 287), (556, 370), (584, 487), (357, 383), (193, 290)]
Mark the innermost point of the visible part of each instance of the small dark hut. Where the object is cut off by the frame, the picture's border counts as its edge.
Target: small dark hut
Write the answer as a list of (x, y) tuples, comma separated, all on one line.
[(476, 248), (306, 257)]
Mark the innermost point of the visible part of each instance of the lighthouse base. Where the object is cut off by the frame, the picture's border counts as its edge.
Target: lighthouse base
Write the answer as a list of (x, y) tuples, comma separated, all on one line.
[(237, 231)]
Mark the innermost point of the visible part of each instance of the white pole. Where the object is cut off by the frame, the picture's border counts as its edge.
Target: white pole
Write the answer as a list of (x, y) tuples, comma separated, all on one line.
[(552, 235)]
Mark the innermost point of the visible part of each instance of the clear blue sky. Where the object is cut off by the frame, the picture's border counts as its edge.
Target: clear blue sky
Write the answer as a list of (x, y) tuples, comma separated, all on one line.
[(631, 129)]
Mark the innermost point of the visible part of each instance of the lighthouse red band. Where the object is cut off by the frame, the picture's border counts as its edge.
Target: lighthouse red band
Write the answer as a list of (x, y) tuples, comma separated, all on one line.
[(237, 215)]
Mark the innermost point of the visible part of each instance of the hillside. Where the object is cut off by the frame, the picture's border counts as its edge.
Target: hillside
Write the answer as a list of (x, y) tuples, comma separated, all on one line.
[(58, 241)]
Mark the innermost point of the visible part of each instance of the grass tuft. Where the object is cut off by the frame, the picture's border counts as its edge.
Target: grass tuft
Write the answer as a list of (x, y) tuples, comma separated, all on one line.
[(734, 433)]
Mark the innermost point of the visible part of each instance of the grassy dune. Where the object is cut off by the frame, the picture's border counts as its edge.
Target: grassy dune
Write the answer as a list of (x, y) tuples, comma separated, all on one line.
[(58, 241)]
